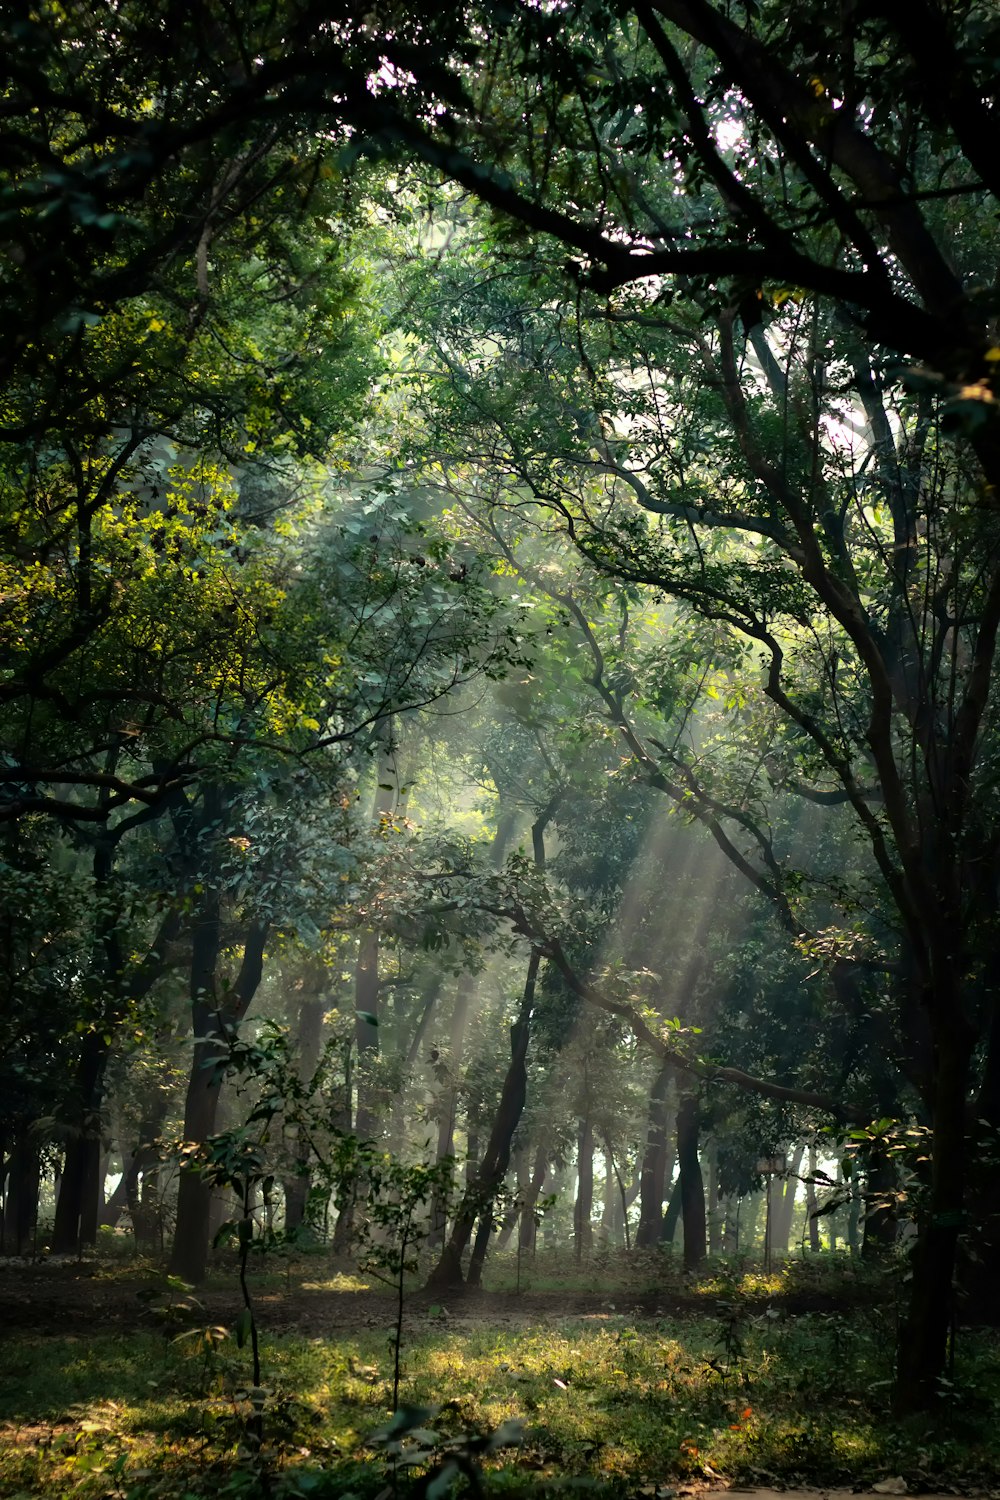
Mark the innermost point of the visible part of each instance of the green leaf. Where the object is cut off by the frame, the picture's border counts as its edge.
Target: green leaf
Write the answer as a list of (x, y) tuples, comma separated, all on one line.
[(442, 1482)]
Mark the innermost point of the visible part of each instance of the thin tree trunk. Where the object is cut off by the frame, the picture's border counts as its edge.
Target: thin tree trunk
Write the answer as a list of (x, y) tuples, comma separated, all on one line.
[(482, 1191), (471, 1156), (506, 828), (477, 1259), (4, 1170), (611, 1207), (811, 1204), (490, 1174), (619, 1196), (189, 1256), (366, 978), (366, 1003), (519, 1164), (529, 1229), (749, 1219), (144, 1197), (583, 1231), (310, 1047), (853, 1220), (784, 1205), (730, 1237), (715, 1213), (449, 1111)]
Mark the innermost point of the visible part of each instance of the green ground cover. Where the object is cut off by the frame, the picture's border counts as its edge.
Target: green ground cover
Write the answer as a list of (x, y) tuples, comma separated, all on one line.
[(737, 1378)]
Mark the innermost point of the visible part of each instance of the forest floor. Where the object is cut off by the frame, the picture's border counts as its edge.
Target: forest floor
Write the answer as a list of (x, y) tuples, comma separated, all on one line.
[(58, 1294), (621, 1376)]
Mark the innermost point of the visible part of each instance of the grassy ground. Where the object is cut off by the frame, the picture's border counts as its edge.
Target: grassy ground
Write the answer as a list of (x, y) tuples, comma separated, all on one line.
[(622, 1376)]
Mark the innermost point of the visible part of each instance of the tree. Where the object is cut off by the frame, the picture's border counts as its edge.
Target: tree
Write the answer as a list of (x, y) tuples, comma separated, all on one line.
[(830, 514)]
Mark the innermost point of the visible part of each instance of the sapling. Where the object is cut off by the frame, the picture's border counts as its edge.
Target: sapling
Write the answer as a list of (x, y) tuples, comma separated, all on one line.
[(397, 1221), (237, 1162)]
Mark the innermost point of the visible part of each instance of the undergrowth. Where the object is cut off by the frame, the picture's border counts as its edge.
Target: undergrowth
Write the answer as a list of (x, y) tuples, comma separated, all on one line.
[(635, 1401)]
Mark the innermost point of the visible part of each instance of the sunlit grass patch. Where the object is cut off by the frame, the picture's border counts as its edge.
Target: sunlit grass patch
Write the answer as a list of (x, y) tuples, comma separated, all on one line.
[(341, 1281), (749, 1283)]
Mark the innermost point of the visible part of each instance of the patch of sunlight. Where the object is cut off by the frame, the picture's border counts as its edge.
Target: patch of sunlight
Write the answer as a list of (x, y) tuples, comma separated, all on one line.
[(341, 1282), (493, 1414), (863, 1443), (762, 1283), (447, 1363), (751, 1284)]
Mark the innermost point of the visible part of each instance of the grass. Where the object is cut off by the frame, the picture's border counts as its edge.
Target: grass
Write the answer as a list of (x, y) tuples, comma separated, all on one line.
[(729, 1386)]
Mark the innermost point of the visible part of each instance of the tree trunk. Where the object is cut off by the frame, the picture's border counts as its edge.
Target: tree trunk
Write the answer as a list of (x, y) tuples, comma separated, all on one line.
[(853, 1220), (141, 1180), (76, 1211), (142, 1185), (487, 1180), (672, 1217), (652, 1178), (749, 1219), (715, 1213), (811, 1204), (481, 1192), (189, 1256), (296, 1185), (692, 1186), (610, 1199), (21, 1206), (420, 1017), (923, 1344), (615, 1188), (519, 1165), (506, 828), (616, 1198), (366, 1003), (878, 1228), (529, 1228), (784, 1204), (583, 1231), (730, 1226), (478, 1257), (366, 978), (449, 1111), (471, 1156)]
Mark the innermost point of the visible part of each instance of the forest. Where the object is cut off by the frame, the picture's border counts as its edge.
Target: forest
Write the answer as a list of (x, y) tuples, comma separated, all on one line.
[(499, 747)]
